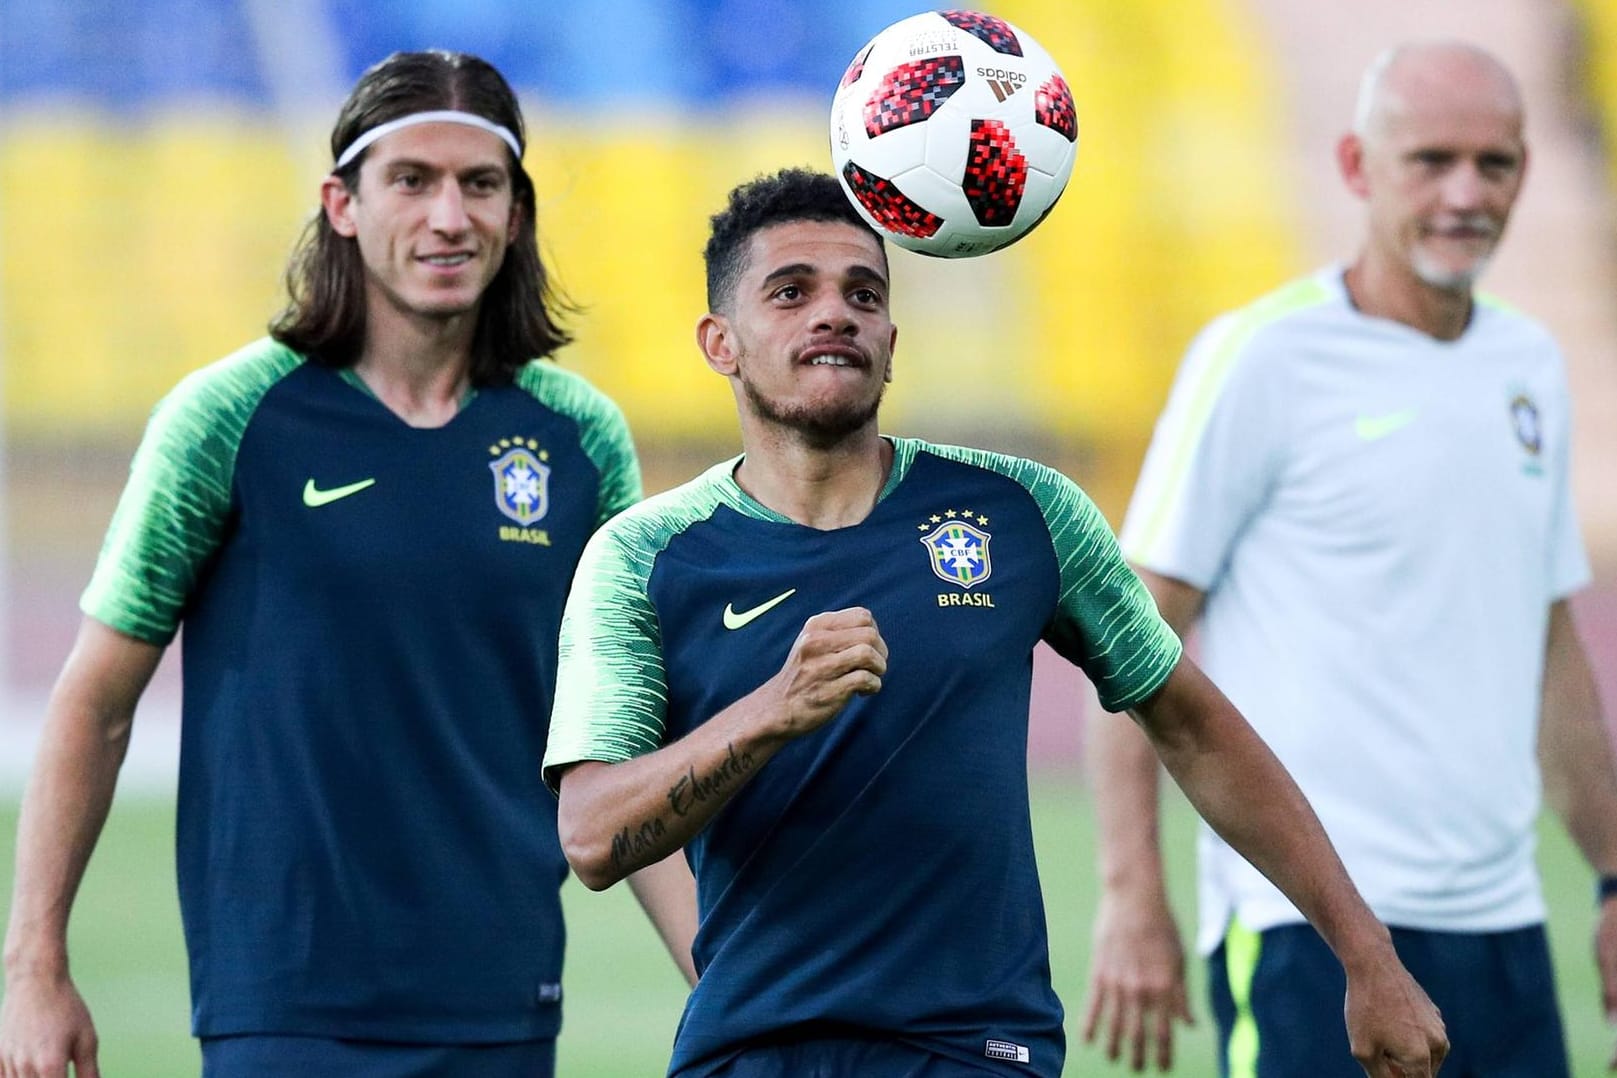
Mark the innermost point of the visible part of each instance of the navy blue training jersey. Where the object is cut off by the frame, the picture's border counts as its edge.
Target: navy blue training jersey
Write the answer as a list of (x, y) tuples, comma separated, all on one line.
[(876, 878), (365, 846)]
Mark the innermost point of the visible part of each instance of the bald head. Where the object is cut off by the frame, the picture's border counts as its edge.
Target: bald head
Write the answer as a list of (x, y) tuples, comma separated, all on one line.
[(1432, 73), (1437, 155)]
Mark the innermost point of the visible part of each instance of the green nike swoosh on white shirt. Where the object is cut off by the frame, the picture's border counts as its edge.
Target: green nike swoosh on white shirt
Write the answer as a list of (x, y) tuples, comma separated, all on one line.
[(1372, 428)]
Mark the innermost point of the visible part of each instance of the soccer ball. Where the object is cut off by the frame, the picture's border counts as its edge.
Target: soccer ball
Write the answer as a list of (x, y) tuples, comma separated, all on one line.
[(953, 133)]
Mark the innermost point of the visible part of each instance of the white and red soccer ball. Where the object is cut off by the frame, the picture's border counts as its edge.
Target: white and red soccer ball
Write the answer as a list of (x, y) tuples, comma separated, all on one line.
[(953, 132)]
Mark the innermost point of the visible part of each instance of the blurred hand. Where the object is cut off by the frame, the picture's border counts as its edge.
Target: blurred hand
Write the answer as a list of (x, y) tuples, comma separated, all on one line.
[(1136, 979), (44, 1026), (1393, 1029), (1606, 963)]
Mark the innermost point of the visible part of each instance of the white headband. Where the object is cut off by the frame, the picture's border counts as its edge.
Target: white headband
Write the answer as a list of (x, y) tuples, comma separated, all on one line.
[(440, 116)]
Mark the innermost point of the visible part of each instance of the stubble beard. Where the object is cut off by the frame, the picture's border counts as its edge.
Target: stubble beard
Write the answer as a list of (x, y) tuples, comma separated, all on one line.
[(823, 426)]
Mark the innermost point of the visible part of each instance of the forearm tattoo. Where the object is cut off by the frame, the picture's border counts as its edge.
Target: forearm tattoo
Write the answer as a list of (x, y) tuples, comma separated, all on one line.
[(692, 789), (628, 846), (634, 846)]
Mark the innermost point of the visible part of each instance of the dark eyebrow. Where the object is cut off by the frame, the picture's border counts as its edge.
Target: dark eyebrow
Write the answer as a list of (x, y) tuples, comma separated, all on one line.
[(866, 273), (796, 269), (802, 269)]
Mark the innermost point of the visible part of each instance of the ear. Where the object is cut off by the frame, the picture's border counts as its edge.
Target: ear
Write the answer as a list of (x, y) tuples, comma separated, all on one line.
[(338, 203), (1350, 162), (514, 229), (892, 349), (714, 338)]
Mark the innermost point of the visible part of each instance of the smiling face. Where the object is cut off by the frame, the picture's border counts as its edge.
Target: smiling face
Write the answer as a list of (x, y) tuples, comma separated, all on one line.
[(807, 339), (1439, 161), (433, 215)]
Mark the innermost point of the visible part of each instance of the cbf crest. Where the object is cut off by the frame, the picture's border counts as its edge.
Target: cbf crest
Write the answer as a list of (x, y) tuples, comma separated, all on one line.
[(521, 479), (959, 550), (1525, 421), (1524, 417)]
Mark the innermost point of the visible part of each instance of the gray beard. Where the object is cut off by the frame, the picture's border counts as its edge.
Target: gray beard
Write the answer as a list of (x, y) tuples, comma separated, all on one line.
[(1449, 280)]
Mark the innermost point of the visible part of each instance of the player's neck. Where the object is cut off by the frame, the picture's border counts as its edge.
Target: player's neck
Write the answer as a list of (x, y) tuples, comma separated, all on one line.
[(1395, 293), (420, 369), (823, 488)]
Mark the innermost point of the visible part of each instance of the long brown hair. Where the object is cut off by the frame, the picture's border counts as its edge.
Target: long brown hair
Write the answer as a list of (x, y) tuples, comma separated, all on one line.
[(519, 316)]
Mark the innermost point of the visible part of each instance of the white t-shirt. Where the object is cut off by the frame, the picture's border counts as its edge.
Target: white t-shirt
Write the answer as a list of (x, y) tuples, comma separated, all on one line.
[(1380, 521)]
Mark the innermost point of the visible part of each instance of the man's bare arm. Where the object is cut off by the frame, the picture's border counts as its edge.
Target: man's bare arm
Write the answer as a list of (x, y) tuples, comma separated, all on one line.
[(44, 1023), (617, 818), (1137, 963), (1244, 793), (667, 892), (1580, 780)]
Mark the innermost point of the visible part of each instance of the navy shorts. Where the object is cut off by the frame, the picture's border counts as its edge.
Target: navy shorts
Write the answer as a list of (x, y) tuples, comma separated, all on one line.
[(254, 1056), (837, 1057), (1277, 997)]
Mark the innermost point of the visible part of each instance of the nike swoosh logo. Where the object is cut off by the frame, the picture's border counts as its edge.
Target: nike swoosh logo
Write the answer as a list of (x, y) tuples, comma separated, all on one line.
[(733, 620), (314, 497), (1370, 428)]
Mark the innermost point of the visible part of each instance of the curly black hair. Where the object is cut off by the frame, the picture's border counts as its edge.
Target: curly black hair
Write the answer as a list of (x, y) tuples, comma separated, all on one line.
[(792, 194)]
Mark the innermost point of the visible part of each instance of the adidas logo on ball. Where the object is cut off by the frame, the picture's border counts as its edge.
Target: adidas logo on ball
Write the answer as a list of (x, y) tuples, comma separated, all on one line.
[(1003, 83)]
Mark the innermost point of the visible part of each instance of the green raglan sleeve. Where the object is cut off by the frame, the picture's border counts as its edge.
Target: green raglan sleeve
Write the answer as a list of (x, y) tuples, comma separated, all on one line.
[(611, 687), (1106, 621), (173, 512), (603, 432), (613, 452)]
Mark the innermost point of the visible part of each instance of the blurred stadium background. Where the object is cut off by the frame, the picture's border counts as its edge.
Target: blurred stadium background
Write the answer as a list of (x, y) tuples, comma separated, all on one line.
[(158, 159)]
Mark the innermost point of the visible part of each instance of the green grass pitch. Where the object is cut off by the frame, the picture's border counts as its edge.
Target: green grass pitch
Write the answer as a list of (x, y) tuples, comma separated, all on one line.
[(623, 995)]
